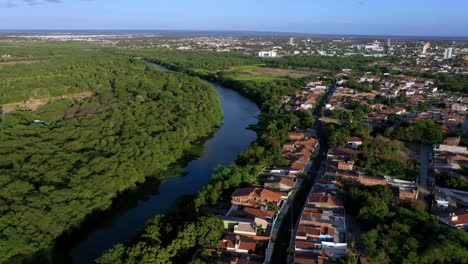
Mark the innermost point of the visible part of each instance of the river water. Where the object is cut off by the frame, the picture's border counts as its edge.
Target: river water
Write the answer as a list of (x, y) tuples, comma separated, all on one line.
[(129, 216)]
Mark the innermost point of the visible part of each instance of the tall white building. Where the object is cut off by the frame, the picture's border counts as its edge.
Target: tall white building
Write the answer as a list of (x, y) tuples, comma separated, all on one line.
[(426, 47), (291, 41), (448, 53)]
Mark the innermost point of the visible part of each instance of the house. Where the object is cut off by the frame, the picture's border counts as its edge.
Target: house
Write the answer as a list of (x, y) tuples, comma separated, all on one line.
[(410, 92), (311, 258), (354, 142), (405, 190), (246, 245), (271, 54), (252, 196), (280, 183), (345, 165), (459, 107), (322, 226), (298, 166), (307, 246), (245, 229), (448, 161), (228, 243), (237, 243), (451, 148), (321, 200), (452, 141), (407, 194), (262, 217), (354, 177), (322, 233), (455, 219), (296, 136), (289, 146)]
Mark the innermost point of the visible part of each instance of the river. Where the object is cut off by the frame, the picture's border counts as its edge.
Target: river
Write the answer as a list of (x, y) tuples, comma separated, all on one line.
[(126, 219)]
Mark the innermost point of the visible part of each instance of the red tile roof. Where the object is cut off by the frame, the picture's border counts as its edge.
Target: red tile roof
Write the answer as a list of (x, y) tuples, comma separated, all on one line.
[(309, 258), (287, 182), (462, 219), (296, 136), (326, 200), (252, 192), (228, 241), (247, 243), (262, 214)]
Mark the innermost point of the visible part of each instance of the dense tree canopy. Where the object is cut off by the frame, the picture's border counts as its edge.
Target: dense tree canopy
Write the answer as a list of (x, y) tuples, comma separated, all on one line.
[(401, 235), (425, 131), (82, 153), (160, 242)]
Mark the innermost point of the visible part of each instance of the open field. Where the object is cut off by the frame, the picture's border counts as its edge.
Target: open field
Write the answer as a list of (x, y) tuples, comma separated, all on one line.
[(282, 72), (259, 72), (258, 78)]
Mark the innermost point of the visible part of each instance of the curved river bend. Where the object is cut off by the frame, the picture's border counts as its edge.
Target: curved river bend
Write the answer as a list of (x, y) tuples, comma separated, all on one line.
[(126, 220)]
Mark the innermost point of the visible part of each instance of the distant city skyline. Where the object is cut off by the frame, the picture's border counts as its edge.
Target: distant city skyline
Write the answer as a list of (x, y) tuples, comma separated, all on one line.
[(353, 17)]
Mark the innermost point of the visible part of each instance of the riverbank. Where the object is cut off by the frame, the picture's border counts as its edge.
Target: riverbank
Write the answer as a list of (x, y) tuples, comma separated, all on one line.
[(273, 129), (221, 149)]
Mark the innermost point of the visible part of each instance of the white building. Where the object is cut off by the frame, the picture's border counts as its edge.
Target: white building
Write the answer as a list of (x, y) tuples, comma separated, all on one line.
[(426, 47), (374, 47), (272, 54), (448, 53), (291, 41)]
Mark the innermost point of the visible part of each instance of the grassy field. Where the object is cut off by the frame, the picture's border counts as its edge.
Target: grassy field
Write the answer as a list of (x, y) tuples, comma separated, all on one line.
[(259, 72), (258, 78)]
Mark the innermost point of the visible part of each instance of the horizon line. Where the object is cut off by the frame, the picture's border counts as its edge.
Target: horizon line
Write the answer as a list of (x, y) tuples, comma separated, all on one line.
[(234, 31)]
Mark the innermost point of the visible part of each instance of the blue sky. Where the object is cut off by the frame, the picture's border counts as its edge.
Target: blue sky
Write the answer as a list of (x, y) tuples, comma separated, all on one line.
[(387, 17)]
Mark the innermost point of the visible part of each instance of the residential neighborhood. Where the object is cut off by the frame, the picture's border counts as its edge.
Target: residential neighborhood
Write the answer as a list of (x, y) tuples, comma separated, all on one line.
[(257, 211)]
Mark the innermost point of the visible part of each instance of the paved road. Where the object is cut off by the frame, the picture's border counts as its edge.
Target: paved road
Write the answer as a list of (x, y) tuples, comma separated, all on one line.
[(280, 254)]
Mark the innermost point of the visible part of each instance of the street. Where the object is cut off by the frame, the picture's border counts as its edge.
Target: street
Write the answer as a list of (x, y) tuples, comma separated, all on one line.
[(280, 252)]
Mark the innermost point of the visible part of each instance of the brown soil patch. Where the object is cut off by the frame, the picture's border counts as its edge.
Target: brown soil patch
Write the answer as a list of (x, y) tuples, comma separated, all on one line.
[(33, 104)]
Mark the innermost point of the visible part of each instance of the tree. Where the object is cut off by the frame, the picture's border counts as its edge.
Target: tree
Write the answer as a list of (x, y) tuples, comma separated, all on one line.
[(374, 213), (425, 131), (369, 242), (337, 136), (209, 231), (114, 255)]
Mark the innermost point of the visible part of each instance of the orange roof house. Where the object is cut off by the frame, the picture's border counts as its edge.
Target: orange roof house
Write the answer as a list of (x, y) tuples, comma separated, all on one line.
[(296, 136), (325, 201), (252, 196)]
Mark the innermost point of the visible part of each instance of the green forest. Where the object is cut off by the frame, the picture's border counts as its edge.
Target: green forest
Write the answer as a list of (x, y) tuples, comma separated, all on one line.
[(395, 234), (71, 157)]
